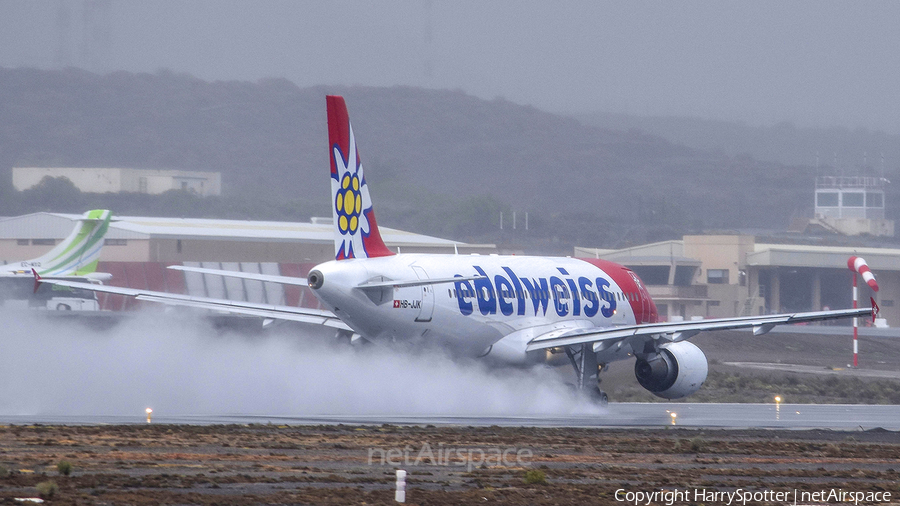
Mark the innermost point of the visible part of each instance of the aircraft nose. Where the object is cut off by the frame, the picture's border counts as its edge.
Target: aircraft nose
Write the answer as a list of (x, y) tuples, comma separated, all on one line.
[(315, 279)]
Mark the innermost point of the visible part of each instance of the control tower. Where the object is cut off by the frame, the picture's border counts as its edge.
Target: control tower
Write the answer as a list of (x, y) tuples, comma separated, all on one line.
[(851, 205)]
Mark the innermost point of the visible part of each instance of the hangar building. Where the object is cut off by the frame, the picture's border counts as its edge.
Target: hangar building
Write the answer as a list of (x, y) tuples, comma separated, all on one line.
[(138, 249), (143, 239)]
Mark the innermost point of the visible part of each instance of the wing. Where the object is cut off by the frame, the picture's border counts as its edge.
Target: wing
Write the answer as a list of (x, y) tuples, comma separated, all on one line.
[(603, 338), (297, 314)]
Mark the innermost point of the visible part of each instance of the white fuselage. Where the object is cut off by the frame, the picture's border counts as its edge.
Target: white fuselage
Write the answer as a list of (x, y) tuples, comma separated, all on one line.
[(519, 296)]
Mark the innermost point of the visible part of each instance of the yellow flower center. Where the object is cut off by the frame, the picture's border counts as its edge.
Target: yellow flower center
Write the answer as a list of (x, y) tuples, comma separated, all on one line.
[(348, 204)]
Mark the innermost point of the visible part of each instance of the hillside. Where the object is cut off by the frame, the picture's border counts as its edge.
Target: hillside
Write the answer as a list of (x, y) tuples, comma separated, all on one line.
[(439, 162), (857, 150)]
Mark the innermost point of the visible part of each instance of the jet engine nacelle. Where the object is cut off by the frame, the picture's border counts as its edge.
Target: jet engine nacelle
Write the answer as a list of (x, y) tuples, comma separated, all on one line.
[(678, 370)]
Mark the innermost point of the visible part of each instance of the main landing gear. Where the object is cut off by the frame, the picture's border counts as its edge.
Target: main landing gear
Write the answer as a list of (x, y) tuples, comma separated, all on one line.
[(587, 372)]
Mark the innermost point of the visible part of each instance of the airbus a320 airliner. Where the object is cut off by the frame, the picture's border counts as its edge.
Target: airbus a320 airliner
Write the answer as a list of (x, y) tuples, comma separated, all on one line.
[(508, 308)]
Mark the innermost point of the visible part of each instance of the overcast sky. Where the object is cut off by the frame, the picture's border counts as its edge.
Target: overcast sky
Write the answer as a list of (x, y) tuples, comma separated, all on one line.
[(813, 63)]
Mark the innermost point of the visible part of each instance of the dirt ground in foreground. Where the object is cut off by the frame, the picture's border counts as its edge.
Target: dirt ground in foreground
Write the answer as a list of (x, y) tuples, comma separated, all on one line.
[(337, 465)]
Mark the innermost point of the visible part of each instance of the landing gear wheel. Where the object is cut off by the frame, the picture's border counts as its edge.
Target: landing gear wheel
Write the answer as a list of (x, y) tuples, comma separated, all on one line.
[(587, 372), (604, 399), (599, 397)]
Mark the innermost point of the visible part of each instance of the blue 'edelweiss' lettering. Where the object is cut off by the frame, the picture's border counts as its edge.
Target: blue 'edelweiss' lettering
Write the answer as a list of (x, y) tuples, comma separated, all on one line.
[(591, 309), (559, 295), (504, 291), (463, 290), (606, 295), (520, 294), (508, 294), (539, 293), (484, 293)]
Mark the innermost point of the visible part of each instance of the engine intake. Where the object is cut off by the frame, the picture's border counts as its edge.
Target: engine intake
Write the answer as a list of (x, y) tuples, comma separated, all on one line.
[(678, 370), (315, 280)]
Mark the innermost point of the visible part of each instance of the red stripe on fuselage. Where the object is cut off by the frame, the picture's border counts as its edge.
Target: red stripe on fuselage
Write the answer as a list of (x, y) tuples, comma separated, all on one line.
[(644, 309)]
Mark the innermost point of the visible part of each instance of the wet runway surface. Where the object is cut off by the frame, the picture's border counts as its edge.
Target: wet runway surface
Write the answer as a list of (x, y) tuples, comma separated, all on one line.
[(784, 416)]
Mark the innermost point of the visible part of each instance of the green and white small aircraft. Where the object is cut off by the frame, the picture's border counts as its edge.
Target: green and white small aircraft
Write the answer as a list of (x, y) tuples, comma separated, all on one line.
[(75, 257)]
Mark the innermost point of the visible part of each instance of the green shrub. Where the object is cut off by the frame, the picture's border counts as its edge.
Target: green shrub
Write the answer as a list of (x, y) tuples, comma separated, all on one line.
[(47, 489), (64, 467), (697, 444), (833, 450), (535, 477)]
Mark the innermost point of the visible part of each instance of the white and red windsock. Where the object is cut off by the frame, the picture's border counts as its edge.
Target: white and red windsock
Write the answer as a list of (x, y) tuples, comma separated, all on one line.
[(857, 264)]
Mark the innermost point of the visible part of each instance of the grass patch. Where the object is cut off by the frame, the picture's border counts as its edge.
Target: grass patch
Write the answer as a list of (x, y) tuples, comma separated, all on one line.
[(64, 467), (697, 444), (535, 477), (47, 489)]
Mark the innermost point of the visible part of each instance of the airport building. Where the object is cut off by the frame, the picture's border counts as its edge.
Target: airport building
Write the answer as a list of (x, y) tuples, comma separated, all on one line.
[(718, 276), (145, 239), (851, 205), (711, 276), (137, 251), (116, 180)]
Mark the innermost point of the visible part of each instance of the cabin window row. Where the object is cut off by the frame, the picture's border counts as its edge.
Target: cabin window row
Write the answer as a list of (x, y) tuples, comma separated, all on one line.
[(525, 294)]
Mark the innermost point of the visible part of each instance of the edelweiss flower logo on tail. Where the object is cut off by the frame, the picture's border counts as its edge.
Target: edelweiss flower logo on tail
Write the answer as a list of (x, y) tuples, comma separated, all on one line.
[(355, 231), (351, 202)]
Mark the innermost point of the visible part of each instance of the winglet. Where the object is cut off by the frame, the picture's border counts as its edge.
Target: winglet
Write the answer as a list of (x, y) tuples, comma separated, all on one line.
[(874, 309), (37, 280)]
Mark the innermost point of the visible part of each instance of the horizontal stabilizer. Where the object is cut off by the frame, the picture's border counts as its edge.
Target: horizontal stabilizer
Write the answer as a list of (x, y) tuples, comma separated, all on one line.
[(284, 280), (371, 285)]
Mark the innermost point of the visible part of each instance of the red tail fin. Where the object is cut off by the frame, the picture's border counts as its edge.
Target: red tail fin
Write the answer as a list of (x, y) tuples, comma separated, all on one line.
[(355, 230)]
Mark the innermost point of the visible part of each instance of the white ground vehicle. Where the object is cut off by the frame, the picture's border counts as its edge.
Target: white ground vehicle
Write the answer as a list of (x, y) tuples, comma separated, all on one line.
[(20, 294)]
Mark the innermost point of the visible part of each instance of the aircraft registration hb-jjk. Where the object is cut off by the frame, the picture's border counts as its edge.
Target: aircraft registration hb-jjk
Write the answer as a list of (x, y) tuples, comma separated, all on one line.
[(509, 308)]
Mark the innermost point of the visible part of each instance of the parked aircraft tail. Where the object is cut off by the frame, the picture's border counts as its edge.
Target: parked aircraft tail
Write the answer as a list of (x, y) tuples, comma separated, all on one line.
[(355, 230), (78, 254)]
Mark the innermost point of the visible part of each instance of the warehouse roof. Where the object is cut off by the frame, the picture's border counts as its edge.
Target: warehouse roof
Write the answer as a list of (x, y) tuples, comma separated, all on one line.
[(797, 255), (56, 225)]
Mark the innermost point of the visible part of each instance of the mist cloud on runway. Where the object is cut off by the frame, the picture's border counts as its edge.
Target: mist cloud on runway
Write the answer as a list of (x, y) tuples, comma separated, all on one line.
[(179, 365)]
